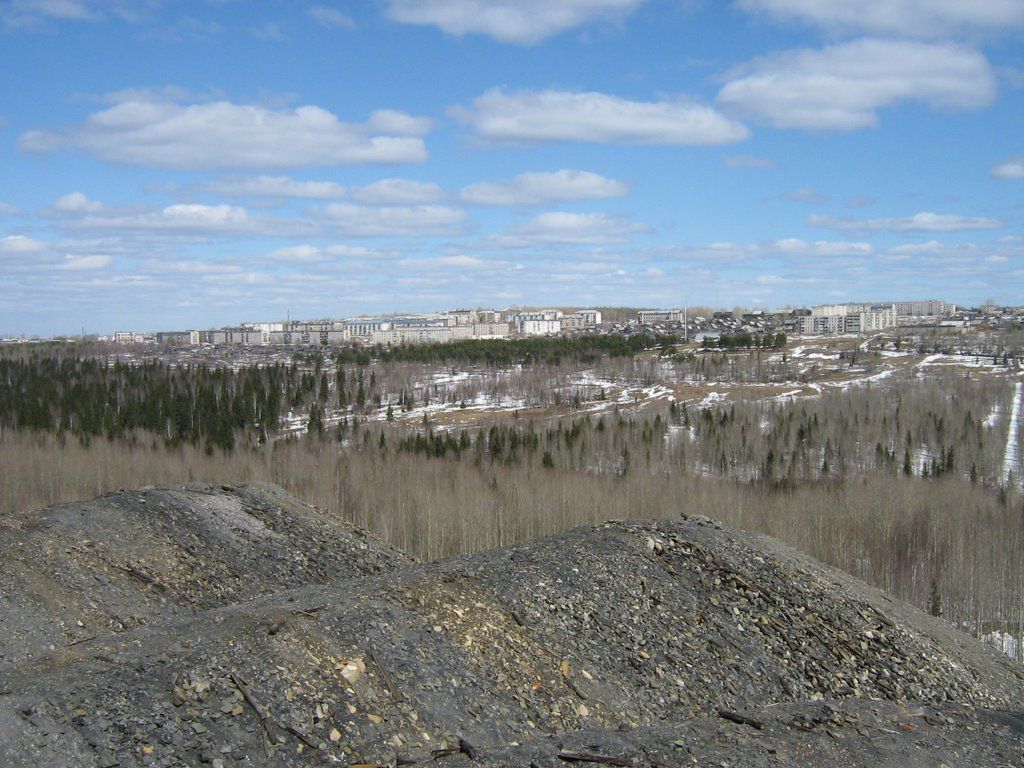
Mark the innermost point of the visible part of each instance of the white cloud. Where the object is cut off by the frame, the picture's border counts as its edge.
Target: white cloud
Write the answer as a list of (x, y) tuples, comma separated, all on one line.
[(808, 195), (76, 202), (394, 221), (181, 219), (330, 17), (398, 192), (535, 188), (797, 247), (29, 13), (276, 186), (841, 87), (398, 123), (538, 116), (84, 263), (463, 261), (749, 161), (310, 254), (770, 280), (19, 245), (511, 21), (913, 18), (919, 222), (142, 129), (1010, 169), (188, 267), (574, 228)]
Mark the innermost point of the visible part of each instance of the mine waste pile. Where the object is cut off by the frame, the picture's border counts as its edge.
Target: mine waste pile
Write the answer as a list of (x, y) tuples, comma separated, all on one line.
[(237, 626)]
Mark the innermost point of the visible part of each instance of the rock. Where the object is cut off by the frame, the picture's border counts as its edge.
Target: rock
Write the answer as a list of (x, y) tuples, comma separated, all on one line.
[(641, 645)]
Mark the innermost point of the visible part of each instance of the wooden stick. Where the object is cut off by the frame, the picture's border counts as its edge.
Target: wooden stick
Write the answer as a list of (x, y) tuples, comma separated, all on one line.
[(588, 757), (260, 713), (739, 719)]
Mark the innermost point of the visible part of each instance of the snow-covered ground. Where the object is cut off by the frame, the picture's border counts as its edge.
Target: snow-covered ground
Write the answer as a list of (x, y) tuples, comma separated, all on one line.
[(1004, 642), (993, 417), (1011, 458)]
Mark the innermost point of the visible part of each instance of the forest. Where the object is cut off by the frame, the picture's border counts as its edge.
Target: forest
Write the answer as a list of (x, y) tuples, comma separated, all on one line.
[(901, 481)]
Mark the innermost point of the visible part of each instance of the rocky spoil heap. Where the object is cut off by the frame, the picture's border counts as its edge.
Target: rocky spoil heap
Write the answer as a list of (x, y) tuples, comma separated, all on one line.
[(130, 559), (620, 626)]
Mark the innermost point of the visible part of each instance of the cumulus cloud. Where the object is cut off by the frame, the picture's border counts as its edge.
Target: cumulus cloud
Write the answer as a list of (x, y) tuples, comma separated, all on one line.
[(398, 192), (821, 248), (20, 245), (1009, 169), (842, 87), (181, 219), (510, 21), (76, 202), (84, 263), (394, 221), (919, 222), (540, 116), (311, 254), (574, 228), (275, 186), (915, 18), (330, 17), (536, 188), (143, 129)]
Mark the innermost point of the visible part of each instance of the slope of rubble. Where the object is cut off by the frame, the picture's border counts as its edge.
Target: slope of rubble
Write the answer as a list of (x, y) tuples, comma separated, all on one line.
[(615, 641), (132, 559)]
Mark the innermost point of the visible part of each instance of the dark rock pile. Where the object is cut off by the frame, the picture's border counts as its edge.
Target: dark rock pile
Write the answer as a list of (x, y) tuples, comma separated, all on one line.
[(662, 643), (131, 559)]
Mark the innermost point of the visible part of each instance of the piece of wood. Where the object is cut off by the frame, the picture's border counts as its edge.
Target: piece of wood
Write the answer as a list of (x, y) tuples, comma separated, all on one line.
[(736, 717), (260, 712), (392, 688), (589, 757)]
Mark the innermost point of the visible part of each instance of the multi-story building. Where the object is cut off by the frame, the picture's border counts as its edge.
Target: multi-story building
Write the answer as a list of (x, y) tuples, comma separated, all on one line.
[(581, 320), (929, 308), (659, 316), (827, 319), (526, 326), (365, 326)]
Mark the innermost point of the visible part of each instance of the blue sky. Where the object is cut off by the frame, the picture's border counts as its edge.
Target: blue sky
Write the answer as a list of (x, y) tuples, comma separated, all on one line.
[(189, 164)]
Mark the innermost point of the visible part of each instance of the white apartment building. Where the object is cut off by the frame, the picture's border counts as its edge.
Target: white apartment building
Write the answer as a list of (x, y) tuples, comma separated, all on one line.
[(581, 320), (407, 333), (538, 326), (366, 326), (659, 316), (829, 319), (926, 308)]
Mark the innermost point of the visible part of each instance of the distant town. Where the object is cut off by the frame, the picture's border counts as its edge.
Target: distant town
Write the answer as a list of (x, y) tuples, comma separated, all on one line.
[(692, 325)]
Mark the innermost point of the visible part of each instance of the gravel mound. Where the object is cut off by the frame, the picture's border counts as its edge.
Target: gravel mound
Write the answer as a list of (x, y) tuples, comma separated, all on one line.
[(131, 559), (616, 641)]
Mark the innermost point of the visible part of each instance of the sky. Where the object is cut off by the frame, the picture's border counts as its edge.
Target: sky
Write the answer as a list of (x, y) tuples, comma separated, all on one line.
[(190, 164)]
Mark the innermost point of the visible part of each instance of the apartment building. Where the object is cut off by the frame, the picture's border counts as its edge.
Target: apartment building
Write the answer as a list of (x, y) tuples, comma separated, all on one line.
[(831, 319), (659, 316)]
